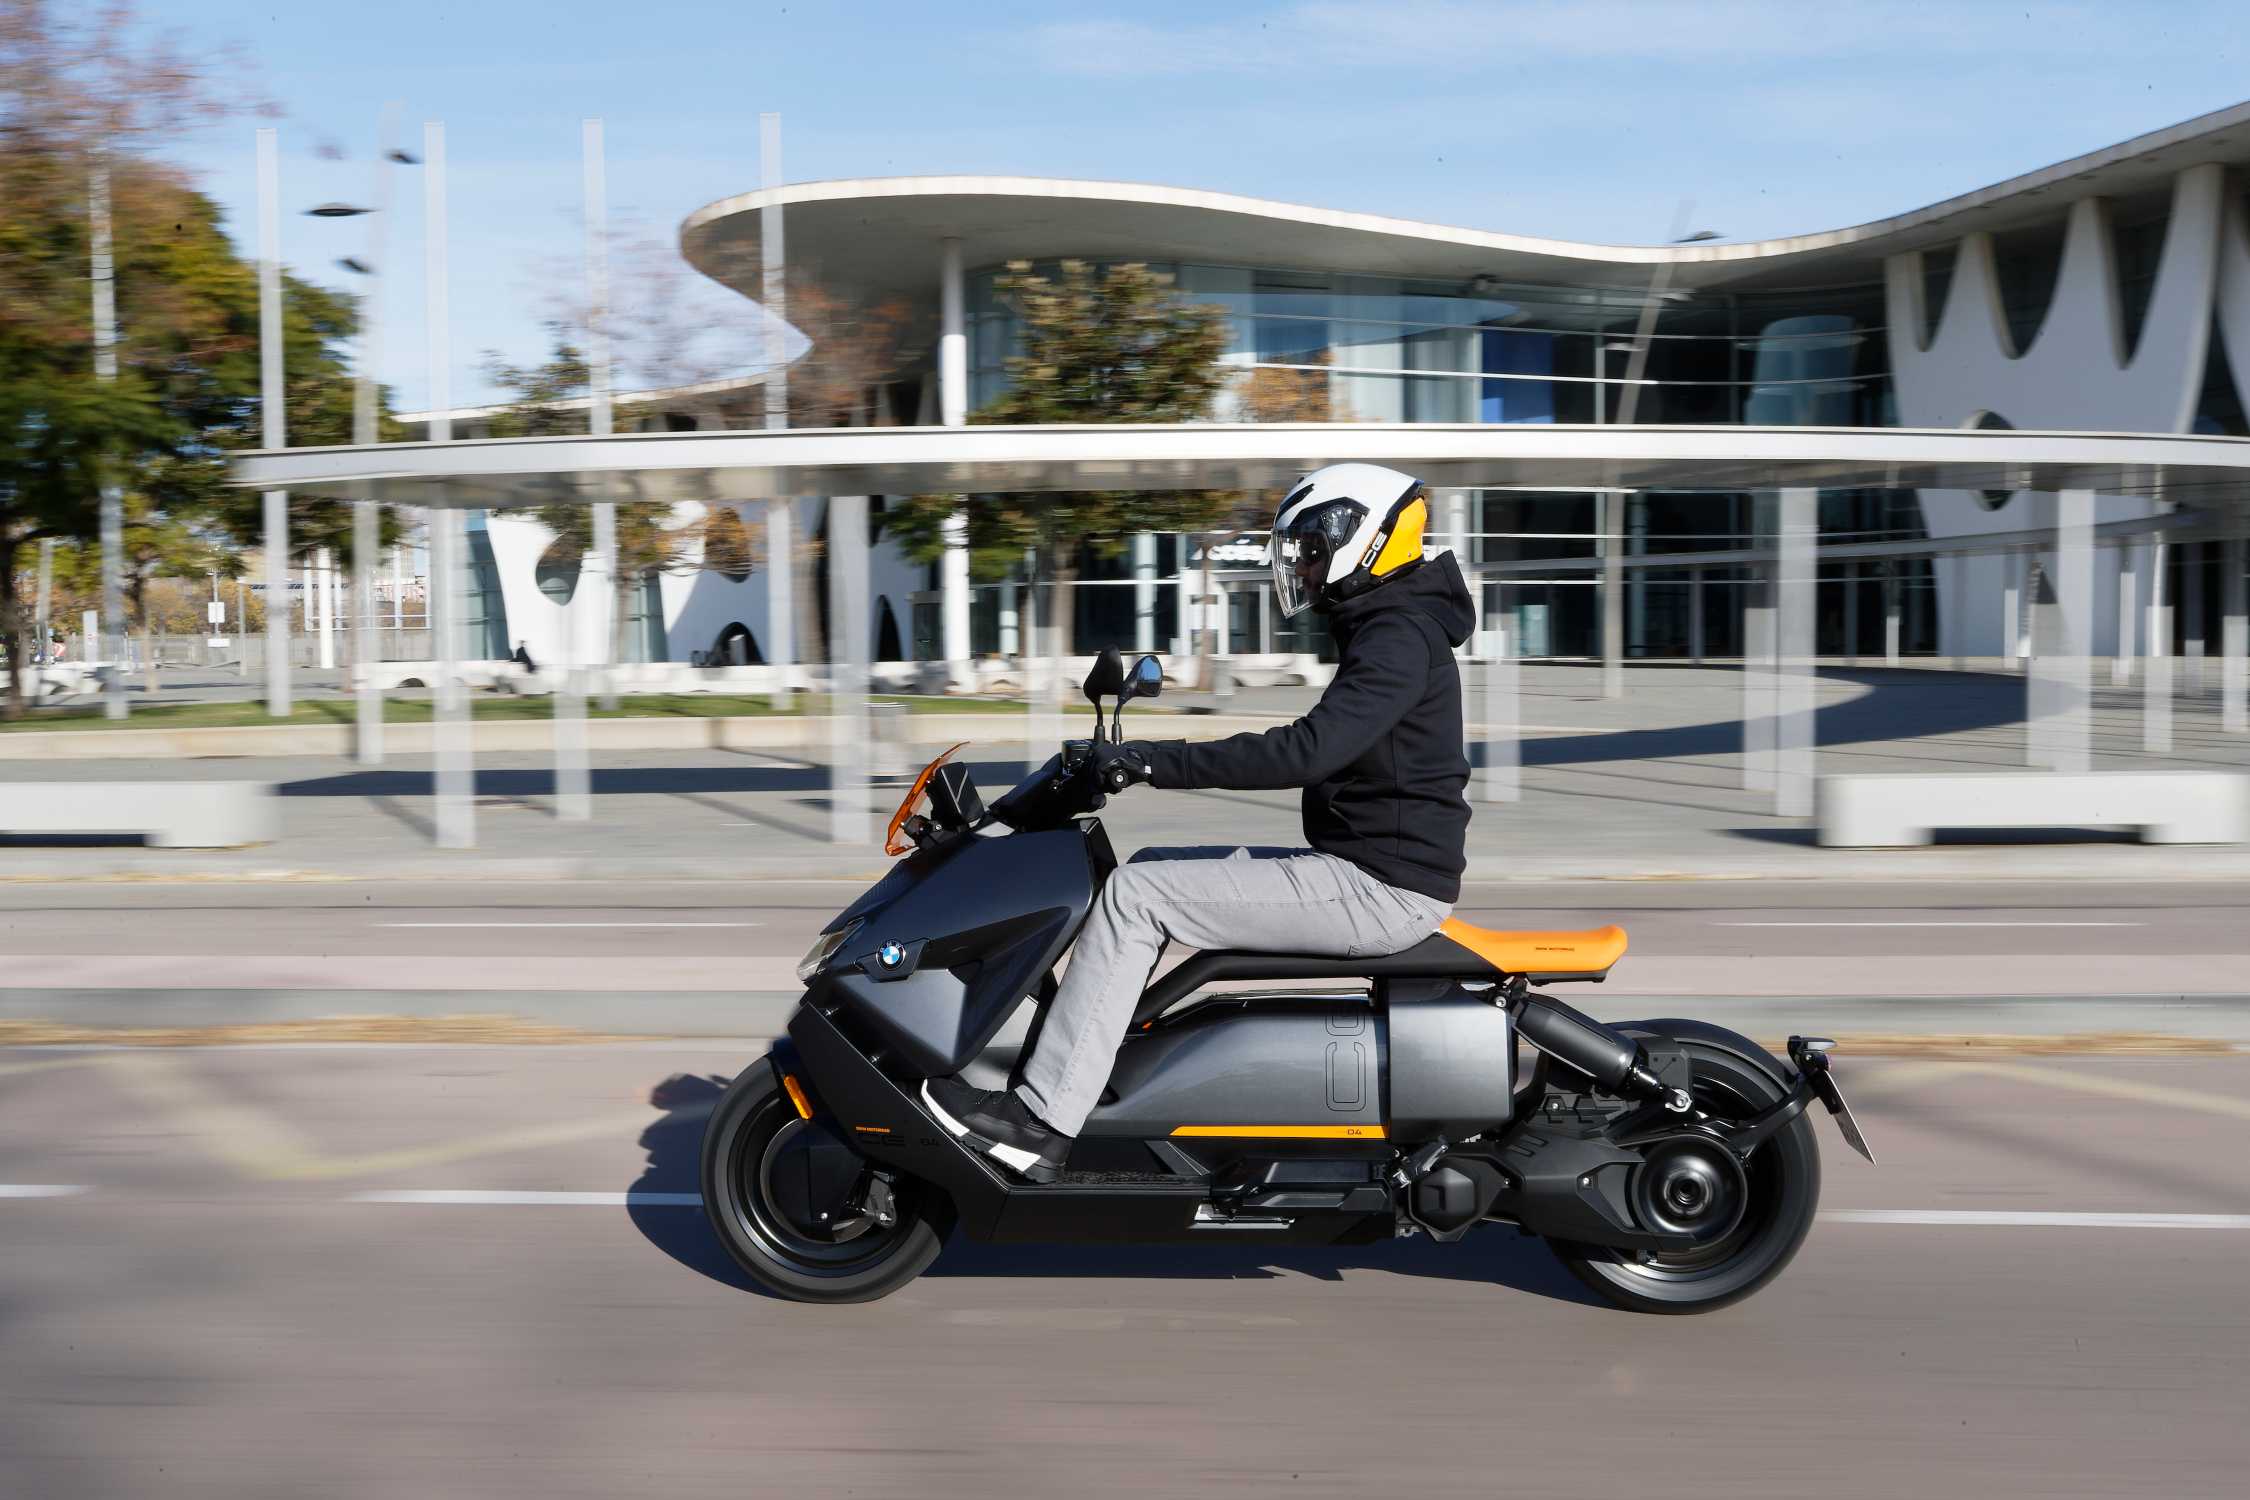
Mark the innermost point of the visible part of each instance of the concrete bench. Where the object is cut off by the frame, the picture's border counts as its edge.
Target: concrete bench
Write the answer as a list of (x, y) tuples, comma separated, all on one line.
[(2168, 807), (170, 814)]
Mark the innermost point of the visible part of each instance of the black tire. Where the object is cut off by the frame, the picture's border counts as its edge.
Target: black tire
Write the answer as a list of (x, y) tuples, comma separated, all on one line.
[(1784, 1194), (766, 1170)]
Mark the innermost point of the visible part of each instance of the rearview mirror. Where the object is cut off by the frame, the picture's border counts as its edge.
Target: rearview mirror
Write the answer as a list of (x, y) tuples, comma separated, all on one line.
[(1107, 679), (1144, 680)]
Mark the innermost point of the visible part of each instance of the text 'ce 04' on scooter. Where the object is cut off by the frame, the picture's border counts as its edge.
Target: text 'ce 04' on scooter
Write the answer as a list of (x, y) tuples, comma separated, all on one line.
[(1669, 1163)]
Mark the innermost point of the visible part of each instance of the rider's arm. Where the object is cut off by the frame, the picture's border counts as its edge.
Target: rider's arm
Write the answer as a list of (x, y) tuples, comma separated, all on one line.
[(1387, 675)]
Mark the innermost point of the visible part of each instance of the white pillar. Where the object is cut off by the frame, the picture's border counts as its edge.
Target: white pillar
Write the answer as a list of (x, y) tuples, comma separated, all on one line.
[(273, 411), (953, 411), (324, 605), (1144, 591), (2011, 610), (102, 267), (445, 603), (1610, 518), (1894, 603), (368, 741), (847, 670), (2128, 579), (2234, 640), (1850, 583), (2156, 679), (366, 518), (1794, 703), (2192, 645), (1500, 778), (1757, 678), (2059, 691), (773, 298)]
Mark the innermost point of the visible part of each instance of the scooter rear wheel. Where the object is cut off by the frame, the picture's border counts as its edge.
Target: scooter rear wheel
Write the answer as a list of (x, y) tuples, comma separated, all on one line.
[(1780, 1187), (789, 1199)]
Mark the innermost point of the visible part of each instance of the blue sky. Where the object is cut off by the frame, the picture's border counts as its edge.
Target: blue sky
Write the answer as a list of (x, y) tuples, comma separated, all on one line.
[(1585, 121)]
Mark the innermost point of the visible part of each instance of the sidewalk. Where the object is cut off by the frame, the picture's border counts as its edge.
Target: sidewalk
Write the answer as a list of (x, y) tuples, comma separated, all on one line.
[(1644, 787)]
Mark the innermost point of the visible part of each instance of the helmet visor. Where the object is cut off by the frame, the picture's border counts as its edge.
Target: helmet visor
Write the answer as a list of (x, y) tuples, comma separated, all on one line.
[(1304, 552)]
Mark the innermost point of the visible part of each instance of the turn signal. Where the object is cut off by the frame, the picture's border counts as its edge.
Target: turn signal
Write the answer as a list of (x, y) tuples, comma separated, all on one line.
[(796, 1095)]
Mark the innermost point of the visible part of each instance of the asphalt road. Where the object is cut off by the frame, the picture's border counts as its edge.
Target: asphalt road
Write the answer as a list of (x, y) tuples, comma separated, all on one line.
[(197, 1297)]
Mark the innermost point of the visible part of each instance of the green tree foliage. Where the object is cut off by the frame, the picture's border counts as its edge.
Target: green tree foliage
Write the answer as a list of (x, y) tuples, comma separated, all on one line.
[(77, 92), (1110, 345)]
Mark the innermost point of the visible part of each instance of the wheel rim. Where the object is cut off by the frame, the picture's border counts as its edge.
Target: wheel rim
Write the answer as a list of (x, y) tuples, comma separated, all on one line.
[(784, 1173), (1756, 1206)]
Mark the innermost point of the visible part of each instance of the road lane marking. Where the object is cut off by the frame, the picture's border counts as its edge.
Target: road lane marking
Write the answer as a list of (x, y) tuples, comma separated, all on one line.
[(40, 1190), (568, 924), (1929, 924), (2022, 1219), (497, 1198), (2131, 1090)]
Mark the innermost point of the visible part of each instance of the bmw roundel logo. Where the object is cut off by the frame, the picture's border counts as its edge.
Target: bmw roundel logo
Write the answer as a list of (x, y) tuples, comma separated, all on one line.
[(890, 955)]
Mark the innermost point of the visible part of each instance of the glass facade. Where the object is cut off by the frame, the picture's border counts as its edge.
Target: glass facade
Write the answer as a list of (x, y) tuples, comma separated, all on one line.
[(1387, 349)]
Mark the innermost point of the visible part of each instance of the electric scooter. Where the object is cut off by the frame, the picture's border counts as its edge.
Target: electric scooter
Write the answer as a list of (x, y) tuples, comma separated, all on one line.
[(1670, 1164)]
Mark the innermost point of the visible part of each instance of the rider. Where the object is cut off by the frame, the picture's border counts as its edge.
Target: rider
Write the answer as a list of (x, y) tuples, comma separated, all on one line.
[(1381, 763)]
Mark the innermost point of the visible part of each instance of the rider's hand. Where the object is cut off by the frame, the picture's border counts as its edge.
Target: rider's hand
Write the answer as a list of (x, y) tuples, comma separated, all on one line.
[(1117, 767)]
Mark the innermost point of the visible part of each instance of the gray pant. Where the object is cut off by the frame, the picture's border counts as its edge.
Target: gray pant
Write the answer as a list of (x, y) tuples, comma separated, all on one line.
[(1261, 900)]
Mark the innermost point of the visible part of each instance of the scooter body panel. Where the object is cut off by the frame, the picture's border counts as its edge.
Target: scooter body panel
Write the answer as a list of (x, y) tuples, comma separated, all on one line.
[(950, 942)]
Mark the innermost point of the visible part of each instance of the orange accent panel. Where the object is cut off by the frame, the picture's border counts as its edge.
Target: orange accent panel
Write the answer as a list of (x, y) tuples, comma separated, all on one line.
[(1404, 544), (1287, 1132), (873, 1129), (1590, 952), (796, 1095)]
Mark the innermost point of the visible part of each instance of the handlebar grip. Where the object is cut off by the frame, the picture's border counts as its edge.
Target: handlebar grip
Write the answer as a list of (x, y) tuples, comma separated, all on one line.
[(1117, 778)]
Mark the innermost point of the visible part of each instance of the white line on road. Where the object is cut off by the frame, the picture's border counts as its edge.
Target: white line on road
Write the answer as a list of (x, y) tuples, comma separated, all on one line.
[(568, 924), (500, 1199), (39, 1190), (2014, 1219), (1929, 924)]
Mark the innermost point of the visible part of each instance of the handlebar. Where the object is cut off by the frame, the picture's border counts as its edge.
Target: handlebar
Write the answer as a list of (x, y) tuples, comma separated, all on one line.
[(1058, 791)]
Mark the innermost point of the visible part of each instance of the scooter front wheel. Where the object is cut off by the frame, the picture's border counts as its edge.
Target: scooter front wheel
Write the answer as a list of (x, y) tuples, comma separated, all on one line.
[(803, 1213), (1778, 1191)]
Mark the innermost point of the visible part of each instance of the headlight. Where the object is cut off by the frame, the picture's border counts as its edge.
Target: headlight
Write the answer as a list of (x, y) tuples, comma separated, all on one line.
[(823, 949)]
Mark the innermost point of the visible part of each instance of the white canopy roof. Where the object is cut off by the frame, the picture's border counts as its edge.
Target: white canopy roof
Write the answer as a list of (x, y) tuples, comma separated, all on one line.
[(2206, 472)]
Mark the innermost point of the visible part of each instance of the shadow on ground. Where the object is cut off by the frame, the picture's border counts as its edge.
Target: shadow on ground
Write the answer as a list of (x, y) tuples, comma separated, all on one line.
[(1898, 705), (674, 1146)]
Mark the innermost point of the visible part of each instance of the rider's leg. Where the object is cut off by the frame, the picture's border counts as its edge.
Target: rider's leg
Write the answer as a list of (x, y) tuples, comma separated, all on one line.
[(1262, 900)]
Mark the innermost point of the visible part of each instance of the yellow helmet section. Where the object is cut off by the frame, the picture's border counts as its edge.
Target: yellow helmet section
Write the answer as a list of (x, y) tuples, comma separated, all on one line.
[(1404, 544)]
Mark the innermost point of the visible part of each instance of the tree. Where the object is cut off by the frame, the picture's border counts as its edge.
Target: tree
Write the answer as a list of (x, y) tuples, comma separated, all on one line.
[(1114, 345), (79, 92)]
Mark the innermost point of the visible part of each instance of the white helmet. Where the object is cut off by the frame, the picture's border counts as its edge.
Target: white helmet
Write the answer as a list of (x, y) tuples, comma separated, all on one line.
[(1342, 530)]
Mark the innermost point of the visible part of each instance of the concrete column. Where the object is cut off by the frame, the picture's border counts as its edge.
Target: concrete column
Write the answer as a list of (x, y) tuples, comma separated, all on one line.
[(368, 740), (2156, 680), (1695, 615), (1500, 778), (847, 670), (2011, 610), (1456, 540), (1144, 591), (1793, 693), (273, 415), (2234, 639), (2128, 588), (1850, 582), (2192, 645), (1610, 523), (324, 578), (277, 603), (781, 597), (2071, 668), (1894, 604), (953, 411), (1757, 679), (1183, 598)]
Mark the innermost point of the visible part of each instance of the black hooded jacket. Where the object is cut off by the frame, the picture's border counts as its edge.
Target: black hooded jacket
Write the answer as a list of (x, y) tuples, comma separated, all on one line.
[(1380, 754)]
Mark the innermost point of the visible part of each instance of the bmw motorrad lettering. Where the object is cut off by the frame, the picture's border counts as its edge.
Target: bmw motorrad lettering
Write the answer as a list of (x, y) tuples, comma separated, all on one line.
[(1674, 1165)]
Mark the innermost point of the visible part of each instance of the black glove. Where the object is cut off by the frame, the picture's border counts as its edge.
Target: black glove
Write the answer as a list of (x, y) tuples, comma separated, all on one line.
[(1117, 767)]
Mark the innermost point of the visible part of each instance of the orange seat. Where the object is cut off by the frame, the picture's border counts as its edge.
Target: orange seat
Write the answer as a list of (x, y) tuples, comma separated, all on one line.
[(1590, 952)]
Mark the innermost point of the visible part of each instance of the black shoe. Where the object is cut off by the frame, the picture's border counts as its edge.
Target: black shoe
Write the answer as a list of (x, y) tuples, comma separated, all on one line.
[(1000, 1125)]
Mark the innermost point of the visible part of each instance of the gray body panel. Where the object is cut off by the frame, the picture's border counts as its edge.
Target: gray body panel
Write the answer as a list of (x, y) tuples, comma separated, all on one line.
[(1452, 1061), (1266, 1060)]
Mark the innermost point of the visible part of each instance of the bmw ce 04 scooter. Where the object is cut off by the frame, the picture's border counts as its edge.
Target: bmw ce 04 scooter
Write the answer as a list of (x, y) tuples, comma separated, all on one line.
[(1670, 1164)]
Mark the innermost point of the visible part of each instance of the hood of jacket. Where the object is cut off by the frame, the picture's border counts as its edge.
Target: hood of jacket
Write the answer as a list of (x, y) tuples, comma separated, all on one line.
[(1434, 586)]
